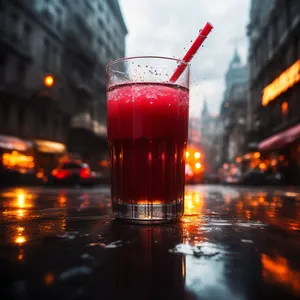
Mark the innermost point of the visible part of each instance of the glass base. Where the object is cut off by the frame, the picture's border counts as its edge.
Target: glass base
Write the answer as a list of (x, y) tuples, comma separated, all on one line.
[(148, 213)]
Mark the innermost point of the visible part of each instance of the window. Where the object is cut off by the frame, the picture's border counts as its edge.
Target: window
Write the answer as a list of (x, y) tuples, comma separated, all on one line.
[(296, 49), (54, 57), (13, 25), (21, 73), (100, 23), (282, 24), (63, 2), (20, 120), (2, 16), (295, 6), (59, 14), (27, 33), (61, 94), (46, 53), (275, 33), (2, 68), (5, 114)]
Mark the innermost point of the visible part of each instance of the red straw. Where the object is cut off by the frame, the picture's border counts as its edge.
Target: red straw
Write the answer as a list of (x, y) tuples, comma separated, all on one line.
[(192, 51)]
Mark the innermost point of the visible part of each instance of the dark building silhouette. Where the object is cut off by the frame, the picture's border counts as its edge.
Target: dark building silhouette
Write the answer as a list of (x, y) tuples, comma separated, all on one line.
[(233, 110)]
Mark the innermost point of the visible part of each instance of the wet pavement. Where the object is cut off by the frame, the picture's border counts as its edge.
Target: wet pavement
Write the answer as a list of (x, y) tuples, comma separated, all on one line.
[(232, 243)]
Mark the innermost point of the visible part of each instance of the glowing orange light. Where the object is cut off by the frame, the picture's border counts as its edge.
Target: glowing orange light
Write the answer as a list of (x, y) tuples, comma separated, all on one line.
[(20, 229), (256, 155), (48, 80), (21, 200), (197, 154), (278, 269), (282, 83), (284, 108), (17, 160), (273, 162), (281, 157), (20, 212), (238, 159), (104, 163), (49, 278), (62, 199), (198, 166), (39, 175), (20, 239), (262, 166), (187, 154), (247, 156)]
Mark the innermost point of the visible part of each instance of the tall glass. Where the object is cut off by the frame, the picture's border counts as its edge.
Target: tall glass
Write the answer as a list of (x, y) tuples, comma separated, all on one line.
[(147, 124)]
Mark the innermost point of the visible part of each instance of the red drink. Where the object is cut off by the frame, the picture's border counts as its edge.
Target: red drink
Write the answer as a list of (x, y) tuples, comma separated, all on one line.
[(147, 133)]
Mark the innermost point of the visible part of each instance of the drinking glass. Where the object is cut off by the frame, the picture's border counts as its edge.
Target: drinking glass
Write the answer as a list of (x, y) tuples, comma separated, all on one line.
[(147, 125)]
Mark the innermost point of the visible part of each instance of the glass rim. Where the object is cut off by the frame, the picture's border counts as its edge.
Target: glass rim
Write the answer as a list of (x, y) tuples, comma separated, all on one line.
[(113, 62)]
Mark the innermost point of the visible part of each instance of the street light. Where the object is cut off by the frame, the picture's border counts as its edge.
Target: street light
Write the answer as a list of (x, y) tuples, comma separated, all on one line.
[(49, 81)]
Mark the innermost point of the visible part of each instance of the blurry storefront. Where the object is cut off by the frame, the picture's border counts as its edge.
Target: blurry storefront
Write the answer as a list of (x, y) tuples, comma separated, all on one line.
[(284, 147), (17, 164), (274, 84), (280, 107)]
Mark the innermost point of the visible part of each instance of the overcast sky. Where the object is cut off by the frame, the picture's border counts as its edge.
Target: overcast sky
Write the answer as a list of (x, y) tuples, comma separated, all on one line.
[(166, 28)]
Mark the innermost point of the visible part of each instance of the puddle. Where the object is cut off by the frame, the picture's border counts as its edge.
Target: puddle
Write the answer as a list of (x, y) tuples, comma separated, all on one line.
[(111, 245), (247, 241), (68, 235), (73, 272), (201, 250)]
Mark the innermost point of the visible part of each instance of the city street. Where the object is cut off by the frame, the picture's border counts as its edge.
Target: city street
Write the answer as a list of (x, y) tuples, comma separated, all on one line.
[(232, 243)]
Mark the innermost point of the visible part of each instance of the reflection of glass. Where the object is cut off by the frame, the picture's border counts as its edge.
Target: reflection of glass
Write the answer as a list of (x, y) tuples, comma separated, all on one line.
[(277, 270), (144, 266)]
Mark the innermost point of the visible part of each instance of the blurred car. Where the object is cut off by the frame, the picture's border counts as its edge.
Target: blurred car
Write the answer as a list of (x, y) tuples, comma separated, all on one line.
[(73, 173)]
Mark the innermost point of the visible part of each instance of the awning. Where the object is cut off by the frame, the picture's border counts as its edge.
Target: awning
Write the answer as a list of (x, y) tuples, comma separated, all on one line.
[(280, 139), (14, 143), (50, 147)]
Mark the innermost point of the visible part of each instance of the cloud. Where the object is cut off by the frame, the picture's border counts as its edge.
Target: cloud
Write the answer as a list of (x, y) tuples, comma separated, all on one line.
[(167, 27)]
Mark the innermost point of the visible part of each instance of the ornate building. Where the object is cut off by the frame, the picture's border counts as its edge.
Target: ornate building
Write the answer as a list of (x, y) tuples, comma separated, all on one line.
[(234, 110), (210, 130)]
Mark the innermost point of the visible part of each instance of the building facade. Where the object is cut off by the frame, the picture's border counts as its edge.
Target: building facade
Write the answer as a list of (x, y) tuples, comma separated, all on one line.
[(274, 83), (53, 55), (233, 111), (210, 129)]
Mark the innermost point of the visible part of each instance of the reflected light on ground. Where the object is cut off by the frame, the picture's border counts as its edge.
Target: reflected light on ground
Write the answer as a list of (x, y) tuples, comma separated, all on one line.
[(193, 203), (20, 240), (62, 200), (21, 199), (277, 270), (20, 229)]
